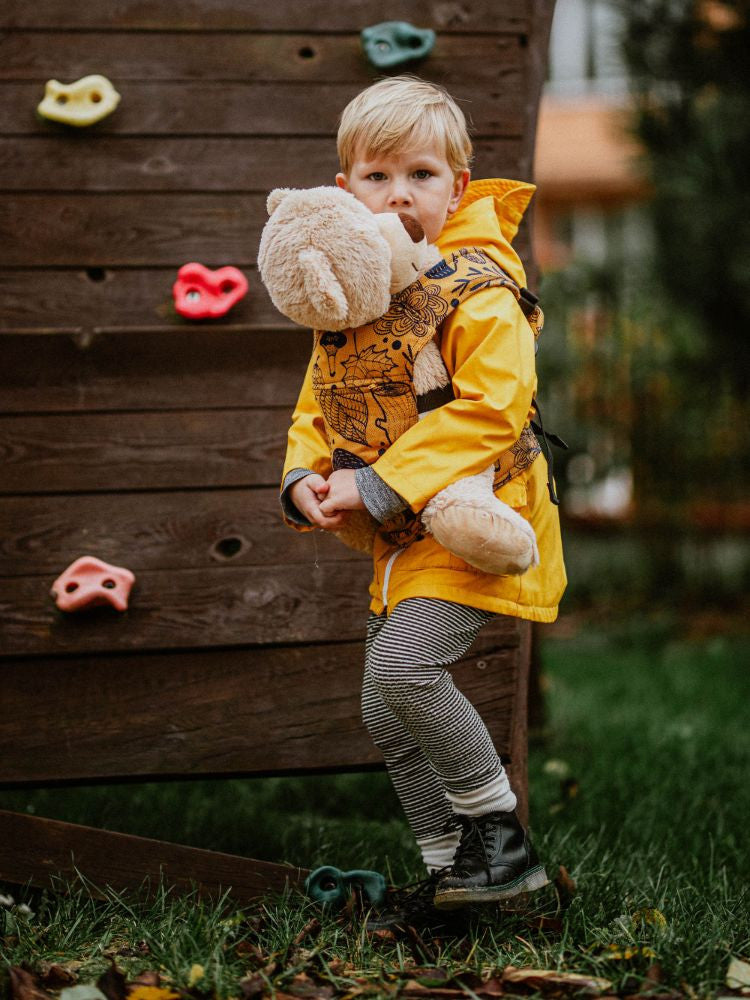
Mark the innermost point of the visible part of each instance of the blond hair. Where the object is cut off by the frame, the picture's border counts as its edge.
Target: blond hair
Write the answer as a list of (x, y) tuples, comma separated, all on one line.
[(403, 113)]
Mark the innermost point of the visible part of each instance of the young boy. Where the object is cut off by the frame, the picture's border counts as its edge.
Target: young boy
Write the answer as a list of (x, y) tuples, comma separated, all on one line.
[(404, 147)]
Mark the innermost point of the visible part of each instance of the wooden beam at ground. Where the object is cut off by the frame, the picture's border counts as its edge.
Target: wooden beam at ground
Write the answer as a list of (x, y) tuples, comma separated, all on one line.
[(34, 850)]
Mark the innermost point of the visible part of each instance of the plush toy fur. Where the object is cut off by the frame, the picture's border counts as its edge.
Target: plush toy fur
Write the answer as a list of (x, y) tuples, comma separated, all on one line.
[(329, 263)]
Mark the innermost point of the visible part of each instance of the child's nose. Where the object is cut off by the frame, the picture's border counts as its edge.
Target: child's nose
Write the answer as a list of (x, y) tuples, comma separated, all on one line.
[(399, 194)]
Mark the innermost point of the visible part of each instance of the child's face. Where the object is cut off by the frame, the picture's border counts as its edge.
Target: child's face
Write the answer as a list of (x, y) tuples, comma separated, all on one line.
[(419, 183)]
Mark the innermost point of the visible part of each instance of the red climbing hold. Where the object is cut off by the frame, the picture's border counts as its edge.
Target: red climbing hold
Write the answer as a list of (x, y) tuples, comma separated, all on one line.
[(90, 581), (200, 293)]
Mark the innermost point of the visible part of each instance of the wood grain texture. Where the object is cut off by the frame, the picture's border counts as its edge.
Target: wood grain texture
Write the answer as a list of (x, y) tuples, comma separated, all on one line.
[(120, 451), (310, 16), (237, 163), (236, 56), (247, 108), (40, 536), (217, 712), (204, 366), (35, 850)]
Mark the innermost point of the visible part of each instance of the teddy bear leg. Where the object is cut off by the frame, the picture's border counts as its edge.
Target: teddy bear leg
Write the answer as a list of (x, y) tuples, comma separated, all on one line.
[(358, 531), (469, 521)]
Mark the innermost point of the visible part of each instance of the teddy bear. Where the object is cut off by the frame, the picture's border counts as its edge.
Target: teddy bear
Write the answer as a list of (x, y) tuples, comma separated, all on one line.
[(330, 263)]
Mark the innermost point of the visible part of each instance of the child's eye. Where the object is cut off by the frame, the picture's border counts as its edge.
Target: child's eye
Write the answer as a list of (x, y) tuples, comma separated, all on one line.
[(423, 174), (376, 175)]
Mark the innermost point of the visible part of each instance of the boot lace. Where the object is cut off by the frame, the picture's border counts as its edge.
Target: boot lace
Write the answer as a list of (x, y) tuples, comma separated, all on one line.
[(471, 848)]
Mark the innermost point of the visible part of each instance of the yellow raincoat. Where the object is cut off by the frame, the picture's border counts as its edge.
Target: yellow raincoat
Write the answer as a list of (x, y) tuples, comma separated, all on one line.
[(488, 348)]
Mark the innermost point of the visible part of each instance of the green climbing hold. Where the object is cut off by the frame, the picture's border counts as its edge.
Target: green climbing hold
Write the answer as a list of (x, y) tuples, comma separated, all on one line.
[(394, 43), (330, 886)]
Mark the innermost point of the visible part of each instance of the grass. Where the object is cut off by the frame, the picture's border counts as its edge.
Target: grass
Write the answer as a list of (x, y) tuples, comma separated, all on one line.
[(638, 787)]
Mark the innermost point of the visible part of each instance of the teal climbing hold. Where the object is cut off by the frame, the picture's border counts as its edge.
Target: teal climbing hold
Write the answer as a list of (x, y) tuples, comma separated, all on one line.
[(395, 43), (331, 887)]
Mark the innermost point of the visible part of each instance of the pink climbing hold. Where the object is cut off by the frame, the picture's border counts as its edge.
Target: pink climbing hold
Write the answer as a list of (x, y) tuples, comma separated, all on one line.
[(89, 581), (200, 293)]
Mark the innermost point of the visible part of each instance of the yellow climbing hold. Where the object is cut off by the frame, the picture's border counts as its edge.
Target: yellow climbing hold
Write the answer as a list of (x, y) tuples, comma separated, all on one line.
[(84, 102)]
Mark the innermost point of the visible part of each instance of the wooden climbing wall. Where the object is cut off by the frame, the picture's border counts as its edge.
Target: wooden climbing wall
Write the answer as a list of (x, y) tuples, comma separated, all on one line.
[(155, 443)]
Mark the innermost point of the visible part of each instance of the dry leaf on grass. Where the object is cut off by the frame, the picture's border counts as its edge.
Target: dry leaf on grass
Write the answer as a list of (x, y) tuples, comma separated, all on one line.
[(57, 975), (149, 977), (23, 985), (139, 992), (112, 983), (738, 976), (552, 983), (649, 915), (618, 953)]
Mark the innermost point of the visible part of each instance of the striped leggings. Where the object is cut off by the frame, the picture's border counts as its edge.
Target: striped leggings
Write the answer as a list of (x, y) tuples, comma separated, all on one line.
[(438, 752)]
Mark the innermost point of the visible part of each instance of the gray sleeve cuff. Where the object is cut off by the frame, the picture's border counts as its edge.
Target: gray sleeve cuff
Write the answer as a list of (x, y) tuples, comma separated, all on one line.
[(290, 511), (381, 501)]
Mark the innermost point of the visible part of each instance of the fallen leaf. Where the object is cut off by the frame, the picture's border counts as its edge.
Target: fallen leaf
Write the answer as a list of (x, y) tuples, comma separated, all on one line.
[(112, 983), (152, 993), (149, 977), (86, 991), (54, 976), (253, 986), (649, 915), (550, 982), (303, 986), (23, 985), (618, 953), (738, 975)]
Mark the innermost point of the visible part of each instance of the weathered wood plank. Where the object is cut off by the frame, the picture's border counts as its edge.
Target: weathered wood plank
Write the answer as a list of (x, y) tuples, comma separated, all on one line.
[(199, 608), (311, 16), (134, 302), (135, 230), (157, 531), (219, 712), (131, 230), (68, 163), (235, 56), (170, 450), (206, 366), (34, 850), (249, 108)]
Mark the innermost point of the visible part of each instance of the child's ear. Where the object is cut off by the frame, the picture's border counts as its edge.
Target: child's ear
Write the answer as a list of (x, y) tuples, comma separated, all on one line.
[(460, 184), (342, 182)]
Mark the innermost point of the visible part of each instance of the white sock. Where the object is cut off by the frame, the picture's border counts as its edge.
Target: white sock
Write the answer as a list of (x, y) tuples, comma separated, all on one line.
[(437, 852), (496, 796)]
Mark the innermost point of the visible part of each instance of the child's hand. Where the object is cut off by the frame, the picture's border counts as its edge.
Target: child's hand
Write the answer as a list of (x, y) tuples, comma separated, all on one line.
[(342, 493), (306, 495)]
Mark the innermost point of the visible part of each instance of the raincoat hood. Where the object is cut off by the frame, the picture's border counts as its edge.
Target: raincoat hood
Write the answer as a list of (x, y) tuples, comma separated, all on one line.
[(488, 217)]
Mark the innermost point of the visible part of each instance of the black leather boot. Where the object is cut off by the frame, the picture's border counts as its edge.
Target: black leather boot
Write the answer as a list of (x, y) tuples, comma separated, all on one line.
[(494, 860)]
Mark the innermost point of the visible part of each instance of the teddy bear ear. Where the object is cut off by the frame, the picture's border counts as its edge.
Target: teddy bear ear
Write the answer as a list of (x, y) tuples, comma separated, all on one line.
[(413, 228), (275, 198)]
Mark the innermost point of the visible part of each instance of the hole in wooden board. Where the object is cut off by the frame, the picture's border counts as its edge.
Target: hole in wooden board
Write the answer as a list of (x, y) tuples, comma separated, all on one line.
[(228, 548), (306, 52), (96, 273)]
